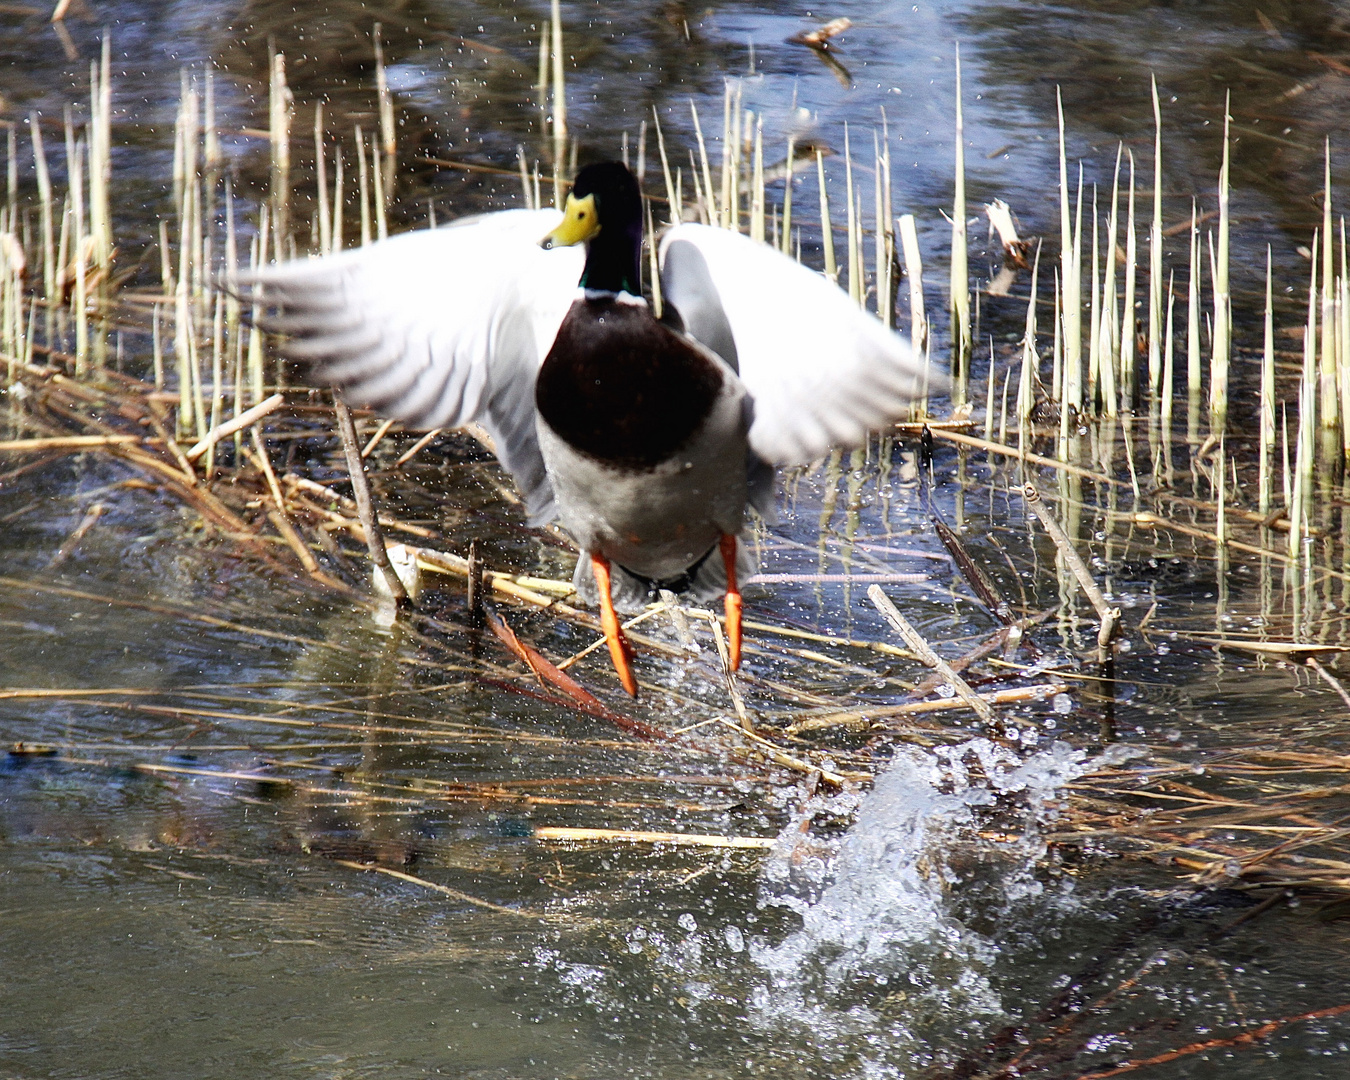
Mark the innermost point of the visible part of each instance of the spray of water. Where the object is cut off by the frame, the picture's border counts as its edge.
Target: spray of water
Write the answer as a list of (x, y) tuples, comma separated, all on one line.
[(882, 967)]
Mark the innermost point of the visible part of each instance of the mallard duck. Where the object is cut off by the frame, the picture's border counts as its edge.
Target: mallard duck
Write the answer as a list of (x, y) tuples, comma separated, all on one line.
[(647, 439)]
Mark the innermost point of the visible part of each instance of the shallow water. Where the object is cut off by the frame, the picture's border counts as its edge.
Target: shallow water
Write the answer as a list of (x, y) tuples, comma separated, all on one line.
[(172, 883)]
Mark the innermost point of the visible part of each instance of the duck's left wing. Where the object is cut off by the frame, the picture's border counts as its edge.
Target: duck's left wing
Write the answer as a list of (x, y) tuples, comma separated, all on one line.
[(437, 328), (822, 372)]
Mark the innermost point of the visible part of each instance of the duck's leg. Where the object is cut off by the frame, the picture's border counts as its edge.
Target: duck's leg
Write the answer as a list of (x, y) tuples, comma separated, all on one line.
[(620, 652), (733, 600)]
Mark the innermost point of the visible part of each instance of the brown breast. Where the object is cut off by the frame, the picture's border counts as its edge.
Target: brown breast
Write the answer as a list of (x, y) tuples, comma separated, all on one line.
[(622, 388)]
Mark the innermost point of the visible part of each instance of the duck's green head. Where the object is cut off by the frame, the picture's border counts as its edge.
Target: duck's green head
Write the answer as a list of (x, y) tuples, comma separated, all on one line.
[(604, 211)]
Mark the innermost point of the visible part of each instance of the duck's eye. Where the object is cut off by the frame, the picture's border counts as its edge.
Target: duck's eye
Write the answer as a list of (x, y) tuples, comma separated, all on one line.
[(581, 215)]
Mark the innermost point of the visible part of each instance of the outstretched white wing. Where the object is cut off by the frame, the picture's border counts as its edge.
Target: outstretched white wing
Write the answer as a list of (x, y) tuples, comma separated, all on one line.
[(822, 372), (438, 328)]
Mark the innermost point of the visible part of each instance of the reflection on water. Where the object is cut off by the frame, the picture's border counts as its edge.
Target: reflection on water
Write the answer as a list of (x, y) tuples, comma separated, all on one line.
[(181, 881)]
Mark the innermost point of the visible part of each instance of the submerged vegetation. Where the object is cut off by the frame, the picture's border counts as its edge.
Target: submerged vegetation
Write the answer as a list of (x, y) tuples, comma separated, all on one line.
[(1115, 452)]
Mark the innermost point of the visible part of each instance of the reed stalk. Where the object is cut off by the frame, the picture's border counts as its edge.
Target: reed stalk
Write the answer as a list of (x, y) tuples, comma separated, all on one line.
[(1167, 388), (100, 156), (1155, 254), (1223, 304), (918, 319), (388, 129), (1329, 396), (378, 198), (990, 380), (217, 409), (1094, 316), (1057, 345), (653, 256), (708, 200), (1193, 311), (1342, 317), (80, 297), (258, 259), (826, 229), (1070, 280), (855, 277), (1128, 375), (1267, 394), (732, 140), (280, 108), (1109, 347), (1307, 411), (726, 177), (559, 101), (211, 151), (1026, 385), (960, 271), (757, 185), (339, 196), (884, 249), (321, 179), (363, 186), (672, 203), (46, 206)]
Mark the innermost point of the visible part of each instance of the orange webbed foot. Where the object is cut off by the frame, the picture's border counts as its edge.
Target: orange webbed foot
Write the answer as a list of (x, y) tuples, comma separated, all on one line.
[(733, 600), (620, 652)]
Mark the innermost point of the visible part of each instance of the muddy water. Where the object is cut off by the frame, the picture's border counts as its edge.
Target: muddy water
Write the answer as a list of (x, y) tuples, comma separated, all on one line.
[(173, 894)]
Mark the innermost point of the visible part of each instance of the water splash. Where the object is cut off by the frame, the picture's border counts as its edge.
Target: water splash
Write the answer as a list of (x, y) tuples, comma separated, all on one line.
[(882, 967)]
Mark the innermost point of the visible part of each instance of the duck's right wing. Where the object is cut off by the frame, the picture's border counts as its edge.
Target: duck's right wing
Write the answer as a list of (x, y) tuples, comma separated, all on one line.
[(822, 372), (437, 328)]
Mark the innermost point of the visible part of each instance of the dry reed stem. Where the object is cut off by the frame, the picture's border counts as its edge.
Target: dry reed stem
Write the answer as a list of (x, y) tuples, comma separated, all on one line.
[(728, 676), (444, 890), (299, 484), (1110, 616), (1015, 696), (377, 438), (281, 520), (417, 447), (780, 757), (1247, 1038), (365, 508), (925, 653), (236, 423), (71, 542), (1020, 455), (630, 836)]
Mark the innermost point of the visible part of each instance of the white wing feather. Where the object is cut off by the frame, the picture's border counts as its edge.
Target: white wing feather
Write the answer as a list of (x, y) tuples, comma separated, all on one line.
[(822, 372), (438, 328)]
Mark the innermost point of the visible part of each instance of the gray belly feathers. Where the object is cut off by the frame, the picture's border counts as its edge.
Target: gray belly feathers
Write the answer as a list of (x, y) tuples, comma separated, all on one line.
[(660, 522)]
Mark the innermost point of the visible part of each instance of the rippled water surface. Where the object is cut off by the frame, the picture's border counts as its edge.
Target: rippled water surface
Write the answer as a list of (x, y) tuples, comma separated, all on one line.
[(244, 828)]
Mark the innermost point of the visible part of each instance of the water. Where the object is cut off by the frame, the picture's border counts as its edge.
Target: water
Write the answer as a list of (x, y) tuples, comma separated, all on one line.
[(172, 883)]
